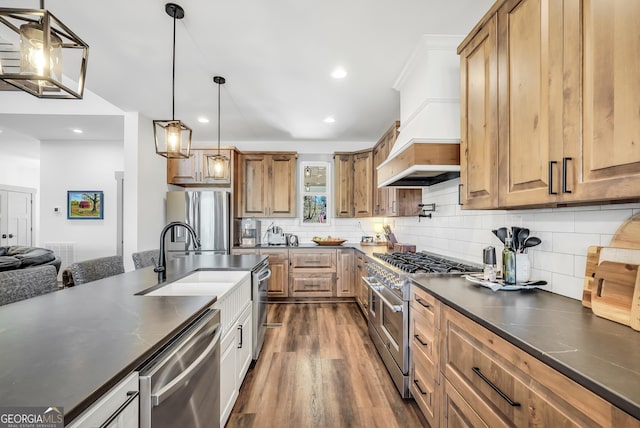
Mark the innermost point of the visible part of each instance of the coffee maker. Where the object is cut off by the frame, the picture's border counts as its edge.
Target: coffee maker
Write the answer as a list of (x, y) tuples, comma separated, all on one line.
[(249, 232)]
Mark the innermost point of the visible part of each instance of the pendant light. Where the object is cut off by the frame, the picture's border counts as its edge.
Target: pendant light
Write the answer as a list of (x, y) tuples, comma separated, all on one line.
[(218, 165), (37, 48), (172, 137)]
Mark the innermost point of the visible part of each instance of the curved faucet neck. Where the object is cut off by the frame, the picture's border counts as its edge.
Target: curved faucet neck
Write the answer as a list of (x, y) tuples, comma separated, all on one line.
[(162, 260)]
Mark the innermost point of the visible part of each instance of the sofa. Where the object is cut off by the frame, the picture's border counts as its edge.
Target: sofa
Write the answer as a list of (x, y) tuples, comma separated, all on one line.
[(19, 257)]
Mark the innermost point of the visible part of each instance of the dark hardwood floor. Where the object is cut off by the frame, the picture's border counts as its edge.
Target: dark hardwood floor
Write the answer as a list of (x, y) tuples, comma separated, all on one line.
[(320, 369)]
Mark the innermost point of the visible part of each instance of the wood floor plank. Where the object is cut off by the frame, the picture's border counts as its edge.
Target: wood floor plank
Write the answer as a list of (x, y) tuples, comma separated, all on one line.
[(320, 369)]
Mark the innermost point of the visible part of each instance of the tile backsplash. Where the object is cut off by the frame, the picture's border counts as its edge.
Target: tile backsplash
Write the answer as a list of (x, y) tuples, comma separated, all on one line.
[(560, 259)]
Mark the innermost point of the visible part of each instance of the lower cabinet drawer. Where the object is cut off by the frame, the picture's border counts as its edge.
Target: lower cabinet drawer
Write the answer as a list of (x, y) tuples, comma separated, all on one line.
[(312, 285), (424, 388), (422, 338), (456, 412), (506, 386)]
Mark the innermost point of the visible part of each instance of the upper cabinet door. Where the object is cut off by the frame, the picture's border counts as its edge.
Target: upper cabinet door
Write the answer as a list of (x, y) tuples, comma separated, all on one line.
[(531, 100), (252, 190), (183, 171), (363, 184), (610, 149), (282, 185), (343, 199), (479, 119)]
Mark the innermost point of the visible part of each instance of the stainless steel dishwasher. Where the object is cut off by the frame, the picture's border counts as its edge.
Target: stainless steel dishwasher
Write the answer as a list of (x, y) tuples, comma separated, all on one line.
[(260, 287), (180, 387)]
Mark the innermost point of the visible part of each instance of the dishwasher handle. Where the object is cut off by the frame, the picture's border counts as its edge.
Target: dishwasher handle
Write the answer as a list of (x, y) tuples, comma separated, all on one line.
[(170, 388), (266, 276)]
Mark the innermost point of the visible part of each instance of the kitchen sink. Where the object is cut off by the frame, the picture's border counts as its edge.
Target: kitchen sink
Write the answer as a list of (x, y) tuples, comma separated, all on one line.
[(203, 283)]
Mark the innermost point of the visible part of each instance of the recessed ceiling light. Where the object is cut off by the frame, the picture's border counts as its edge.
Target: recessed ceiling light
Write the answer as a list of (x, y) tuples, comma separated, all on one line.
[(77, 131), (203, 120), (329, 119), (339, 73)]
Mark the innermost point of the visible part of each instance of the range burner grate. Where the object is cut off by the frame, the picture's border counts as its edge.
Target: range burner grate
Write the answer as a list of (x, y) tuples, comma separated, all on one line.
[(425, 263)]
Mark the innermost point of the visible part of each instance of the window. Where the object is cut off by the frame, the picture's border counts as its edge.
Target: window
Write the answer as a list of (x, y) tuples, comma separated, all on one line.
[(315, 189)]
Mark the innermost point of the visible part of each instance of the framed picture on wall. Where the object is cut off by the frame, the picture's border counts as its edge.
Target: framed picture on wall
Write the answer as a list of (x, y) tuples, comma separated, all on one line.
[(85, 205)]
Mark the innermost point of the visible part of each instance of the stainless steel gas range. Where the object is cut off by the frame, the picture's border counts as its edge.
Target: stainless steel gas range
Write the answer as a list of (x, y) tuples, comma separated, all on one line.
[(389, 284)]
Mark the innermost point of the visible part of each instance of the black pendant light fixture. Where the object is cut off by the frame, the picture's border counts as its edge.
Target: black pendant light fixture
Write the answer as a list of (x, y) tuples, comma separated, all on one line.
[(172, 137), (38, 51), (218, 165)]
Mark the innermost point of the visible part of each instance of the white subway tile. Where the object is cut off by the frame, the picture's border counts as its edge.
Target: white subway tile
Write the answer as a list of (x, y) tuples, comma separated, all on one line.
[(605, 240), (633, 206), (604, 221), (579, 265), (554, 262), (574, 243), (554, 222), (566, 285)]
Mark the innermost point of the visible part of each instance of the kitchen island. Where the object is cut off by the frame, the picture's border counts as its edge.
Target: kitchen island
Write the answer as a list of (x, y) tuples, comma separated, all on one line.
[(69, 347)]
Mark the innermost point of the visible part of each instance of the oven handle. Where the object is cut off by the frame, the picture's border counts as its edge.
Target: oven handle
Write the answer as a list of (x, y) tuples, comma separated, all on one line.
[(376, 290), (177, 382), (267, 275)]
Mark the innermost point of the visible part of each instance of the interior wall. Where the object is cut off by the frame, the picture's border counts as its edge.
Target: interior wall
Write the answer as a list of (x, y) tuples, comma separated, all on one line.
[(79, 165), (566, 233)]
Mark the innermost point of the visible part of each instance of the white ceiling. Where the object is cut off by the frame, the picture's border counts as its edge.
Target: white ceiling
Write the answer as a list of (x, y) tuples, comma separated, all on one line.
[(277, 56)]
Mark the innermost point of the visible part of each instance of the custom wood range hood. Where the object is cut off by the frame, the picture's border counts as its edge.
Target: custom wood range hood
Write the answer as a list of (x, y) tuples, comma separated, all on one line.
[(427, 150)]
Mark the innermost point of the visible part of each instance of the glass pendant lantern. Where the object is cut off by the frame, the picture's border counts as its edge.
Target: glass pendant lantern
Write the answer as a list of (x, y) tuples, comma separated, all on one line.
[(172, 137), (218, 166)]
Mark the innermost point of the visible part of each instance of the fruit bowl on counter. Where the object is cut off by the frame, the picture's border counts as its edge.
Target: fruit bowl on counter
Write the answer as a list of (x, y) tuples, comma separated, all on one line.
[(328, 241)]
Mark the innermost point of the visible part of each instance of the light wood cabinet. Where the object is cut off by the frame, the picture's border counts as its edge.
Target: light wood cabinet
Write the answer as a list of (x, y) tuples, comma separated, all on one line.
[(567, 109), (605, 163), (380, 196), (193, 170), (345, 285), (362, 289), (343, 199), (363, 184), (266, 184), (424, 334), (279, 266), (489, 382), (479, 119), (312, 273)]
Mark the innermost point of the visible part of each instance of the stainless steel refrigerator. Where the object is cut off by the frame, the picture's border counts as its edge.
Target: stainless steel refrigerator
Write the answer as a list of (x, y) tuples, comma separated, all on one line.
[(207, 211)]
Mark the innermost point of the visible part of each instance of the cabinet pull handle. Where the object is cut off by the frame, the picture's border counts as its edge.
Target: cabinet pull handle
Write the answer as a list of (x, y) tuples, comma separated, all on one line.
[(512, 403), (4, 235), (240, 344), (417, 336), (551, 163), (460, 194), (564, 175), (416, 382), (423, 303), (132, 396)]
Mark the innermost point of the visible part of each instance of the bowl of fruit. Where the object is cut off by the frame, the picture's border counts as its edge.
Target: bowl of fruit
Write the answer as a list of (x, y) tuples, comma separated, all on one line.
[(328, 241)]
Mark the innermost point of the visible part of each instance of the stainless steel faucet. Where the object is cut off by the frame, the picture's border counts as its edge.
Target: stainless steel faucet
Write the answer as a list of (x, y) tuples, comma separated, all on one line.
[(162, 262)]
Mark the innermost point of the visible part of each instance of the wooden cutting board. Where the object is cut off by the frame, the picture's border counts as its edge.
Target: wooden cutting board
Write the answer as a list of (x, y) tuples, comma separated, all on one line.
[(628, 234), (613, 291), (593, 256)]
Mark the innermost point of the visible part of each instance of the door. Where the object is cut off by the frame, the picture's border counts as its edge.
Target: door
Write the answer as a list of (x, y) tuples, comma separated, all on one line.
[(344, 185), (479, 120), (282, 185), (606, 164), (536, 109), (252, 187), (16, 218), (363, 184)]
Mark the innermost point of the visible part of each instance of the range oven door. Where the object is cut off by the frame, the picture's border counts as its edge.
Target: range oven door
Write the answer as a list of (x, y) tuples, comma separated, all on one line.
[(392, 317)]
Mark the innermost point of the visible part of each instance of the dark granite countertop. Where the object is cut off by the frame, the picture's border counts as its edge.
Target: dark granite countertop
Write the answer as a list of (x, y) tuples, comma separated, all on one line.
[(601, 355), (69, 347), (304, 246)]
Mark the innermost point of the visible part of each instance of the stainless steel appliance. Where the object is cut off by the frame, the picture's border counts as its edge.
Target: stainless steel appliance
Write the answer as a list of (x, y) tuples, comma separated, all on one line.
[(207, 212), (180, 387), (389, 284), (260, 286), (276, 236), (292, 240), (249, 232)]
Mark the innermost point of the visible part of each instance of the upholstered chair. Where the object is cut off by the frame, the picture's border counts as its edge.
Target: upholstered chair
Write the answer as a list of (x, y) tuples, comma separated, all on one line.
[(95, 269), (145, 258), (21, 284)]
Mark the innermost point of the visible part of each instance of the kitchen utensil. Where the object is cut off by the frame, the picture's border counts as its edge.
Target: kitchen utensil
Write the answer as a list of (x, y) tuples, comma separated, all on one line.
[(514, 237), (593, 255), (614, 285), (523, 234), (531, 241), (502, 233)]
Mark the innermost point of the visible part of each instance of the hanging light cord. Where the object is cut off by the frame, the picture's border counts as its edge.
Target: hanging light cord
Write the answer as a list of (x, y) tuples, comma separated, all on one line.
[(218, 119), (173, 72)]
